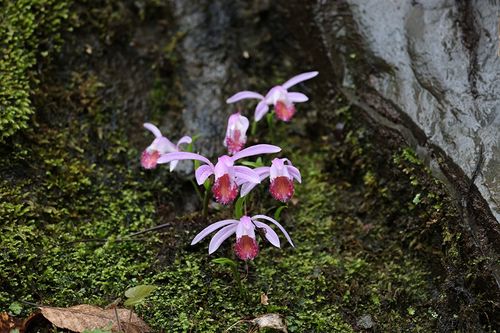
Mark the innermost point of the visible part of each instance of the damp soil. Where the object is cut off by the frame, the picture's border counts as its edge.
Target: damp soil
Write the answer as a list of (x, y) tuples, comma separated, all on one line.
[(380, 246)]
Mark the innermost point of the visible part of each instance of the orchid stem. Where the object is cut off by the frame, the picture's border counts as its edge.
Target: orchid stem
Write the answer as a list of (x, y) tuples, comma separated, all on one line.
[(198, 193), (270, 124), (254, 128), (206, 200), (237, 277)]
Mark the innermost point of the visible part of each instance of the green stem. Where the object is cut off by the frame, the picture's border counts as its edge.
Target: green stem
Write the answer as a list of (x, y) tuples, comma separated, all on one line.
[(270, 124), (253, 130), (206, 200), (237, 277), (198, 193)]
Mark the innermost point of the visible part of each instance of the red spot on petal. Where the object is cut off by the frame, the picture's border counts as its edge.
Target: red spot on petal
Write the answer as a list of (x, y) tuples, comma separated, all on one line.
[(283, 111), (281, 188), (225, 190), (246, 248), (149, 159), (234, 144)]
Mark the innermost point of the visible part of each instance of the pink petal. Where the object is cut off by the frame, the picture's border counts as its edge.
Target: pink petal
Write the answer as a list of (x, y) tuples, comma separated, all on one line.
[(256, 150), (294, 172), (277, 224), (173, 164), (271, 235), (214, 226), (247, 174), (299, 78), (263, 172), (202, 173), (184, 139), (153, 129), (220, 237), (261, 110), (246, 188), (165, 158), (243, 95), (163, 145), (297, 97)]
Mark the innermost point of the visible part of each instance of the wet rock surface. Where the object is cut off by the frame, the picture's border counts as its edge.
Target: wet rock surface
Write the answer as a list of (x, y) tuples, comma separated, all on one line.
[(428, 70), (217, 37)]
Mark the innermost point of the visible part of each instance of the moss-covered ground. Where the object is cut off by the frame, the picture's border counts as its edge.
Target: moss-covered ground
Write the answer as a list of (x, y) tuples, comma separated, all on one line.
[(379, 244)]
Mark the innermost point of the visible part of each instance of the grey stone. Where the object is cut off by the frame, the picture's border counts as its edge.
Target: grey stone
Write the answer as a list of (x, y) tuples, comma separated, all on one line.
[(427, 69), (365, 322)]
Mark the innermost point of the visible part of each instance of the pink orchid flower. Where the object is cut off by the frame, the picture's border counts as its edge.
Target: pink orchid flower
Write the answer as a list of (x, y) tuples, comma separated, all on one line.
[(161, 145), (236, 137), (277, 96), (246, 247), (281, 174), (228, 177)]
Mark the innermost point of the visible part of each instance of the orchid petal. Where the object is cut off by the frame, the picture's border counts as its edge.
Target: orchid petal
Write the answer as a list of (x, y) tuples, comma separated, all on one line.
[(294, 172), (202, 173), (256, 150), (163, 145), (220, 237), (246, 227), (243, 95), (271, 235), (297, 97), (299, 78), (165, 158), (277, 224), (152, 128), (184, 139), (261, 110), (246, 188), (243, 172), (173, 164), (263, 172), (214, 226)]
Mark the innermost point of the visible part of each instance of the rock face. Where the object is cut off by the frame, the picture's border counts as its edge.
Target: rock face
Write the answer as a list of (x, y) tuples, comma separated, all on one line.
[(427, 69)]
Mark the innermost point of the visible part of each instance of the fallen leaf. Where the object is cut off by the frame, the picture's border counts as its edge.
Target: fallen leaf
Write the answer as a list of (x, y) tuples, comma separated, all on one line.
[(14, 324), (9, 323), (84, 317), (264, 300)]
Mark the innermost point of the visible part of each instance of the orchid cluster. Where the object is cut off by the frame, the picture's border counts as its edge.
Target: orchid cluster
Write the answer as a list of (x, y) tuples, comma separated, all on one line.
[(231, 179)]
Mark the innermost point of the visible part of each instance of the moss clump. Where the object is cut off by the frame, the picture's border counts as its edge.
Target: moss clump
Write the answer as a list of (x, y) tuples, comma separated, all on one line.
[(29, 30), (71, 187)]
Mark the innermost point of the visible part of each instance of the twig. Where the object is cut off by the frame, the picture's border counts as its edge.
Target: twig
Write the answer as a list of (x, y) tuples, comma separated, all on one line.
[(118, 320)]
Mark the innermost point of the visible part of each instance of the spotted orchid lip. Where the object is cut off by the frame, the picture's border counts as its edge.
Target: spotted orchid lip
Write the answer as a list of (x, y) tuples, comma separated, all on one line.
[(280, 167), (236, 137)]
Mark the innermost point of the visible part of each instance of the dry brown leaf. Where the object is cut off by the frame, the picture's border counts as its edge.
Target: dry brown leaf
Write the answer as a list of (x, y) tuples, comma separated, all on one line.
[(6, 322), (83, 317), (264, 300)]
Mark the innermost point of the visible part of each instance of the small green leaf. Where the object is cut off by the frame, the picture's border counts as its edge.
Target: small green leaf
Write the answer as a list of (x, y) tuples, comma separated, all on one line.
[(256, 164), (238, 207), (15, 308), (137, 294), (277, 213), (225, 261), (417, 200)]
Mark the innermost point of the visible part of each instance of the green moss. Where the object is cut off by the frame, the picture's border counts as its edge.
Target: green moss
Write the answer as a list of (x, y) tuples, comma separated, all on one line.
[(29, 30)]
